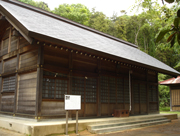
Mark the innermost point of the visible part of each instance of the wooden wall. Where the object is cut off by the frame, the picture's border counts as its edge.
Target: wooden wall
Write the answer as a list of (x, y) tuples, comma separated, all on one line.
[(102, 84), (110, 89), (175, 98), (18, 76)]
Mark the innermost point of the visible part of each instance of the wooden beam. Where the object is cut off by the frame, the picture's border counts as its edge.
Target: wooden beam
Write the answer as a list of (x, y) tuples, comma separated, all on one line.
[(39, 85)]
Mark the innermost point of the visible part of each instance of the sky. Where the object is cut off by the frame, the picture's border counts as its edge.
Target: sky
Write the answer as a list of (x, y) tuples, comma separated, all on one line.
[(108, 7)]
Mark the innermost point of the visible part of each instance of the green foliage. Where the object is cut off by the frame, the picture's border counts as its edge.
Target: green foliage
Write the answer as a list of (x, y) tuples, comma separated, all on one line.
[(40, 4), (76, 12), (99, 21)]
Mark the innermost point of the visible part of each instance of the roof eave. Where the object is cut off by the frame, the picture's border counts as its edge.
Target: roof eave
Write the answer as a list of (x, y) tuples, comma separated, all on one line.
[(79, 47)]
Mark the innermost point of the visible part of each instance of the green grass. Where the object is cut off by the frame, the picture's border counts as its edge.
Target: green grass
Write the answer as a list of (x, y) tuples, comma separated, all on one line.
[(170, 112), (164, 109)]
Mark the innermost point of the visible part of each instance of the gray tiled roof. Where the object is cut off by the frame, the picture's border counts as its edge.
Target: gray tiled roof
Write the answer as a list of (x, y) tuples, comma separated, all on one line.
[(57, 29)]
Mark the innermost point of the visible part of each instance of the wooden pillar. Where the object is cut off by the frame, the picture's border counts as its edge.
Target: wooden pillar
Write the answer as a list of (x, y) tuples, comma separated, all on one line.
[(16, 86), (147, 93), (157, 91), (99, 89), (1, 82), (132, 97), (123, 93), (70, 77), (139, 88), (39, 85)]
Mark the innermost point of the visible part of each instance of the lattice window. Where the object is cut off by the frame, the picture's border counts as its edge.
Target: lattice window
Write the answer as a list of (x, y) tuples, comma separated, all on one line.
[(54, 87), (112, 90), (48, 88), (9, 84), (136, 93), (78, 87), (61, 88), (153, 93), (120, 90), (126, 90), (91, 88), (104, 89), (143, 93)]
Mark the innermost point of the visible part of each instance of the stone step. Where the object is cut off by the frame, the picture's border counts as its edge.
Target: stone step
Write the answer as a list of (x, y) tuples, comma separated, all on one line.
[(127, 119), (118, 127), (112, 124)]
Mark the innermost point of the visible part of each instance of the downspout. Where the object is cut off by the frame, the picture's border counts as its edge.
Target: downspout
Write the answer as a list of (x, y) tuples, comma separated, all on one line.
[(130, 71)]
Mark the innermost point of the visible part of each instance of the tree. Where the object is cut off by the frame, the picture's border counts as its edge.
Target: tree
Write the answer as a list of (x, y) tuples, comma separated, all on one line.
[(117, 27), (99, 21), (75, 12), (40, 4)]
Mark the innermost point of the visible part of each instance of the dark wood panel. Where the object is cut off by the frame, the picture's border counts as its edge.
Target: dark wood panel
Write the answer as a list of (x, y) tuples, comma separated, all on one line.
[(7, 102), (27, 93)]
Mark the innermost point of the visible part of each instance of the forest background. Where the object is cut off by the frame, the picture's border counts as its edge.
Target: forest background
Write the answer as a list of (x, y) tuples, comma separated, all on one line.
[(141, 29)]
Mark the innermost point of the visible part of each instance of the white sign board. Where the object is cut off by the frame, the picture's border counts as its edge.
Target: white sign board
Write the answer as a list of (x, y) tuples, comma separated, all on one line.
[(72, 102)]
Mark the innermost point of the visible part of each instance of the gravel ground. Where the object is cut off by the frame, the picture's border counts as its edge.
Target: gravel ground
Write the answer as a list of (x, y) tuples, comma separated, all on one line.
[(169, 129)]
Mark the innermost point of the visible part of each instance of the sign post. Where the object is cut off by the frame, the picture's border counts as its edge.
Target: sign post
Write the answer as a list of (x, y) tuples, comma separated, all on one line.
[(72, 102)]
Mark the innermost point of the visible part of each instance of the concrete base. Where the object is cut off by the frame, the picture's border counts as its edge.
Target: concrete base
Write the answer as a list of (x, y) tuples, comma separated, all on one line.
[(58, 126)]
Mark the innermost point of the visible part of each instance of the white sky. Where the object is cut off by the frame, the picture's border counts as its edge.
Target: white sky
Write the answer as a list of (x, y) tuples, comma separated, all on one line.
[(105, 6), (108, 7)]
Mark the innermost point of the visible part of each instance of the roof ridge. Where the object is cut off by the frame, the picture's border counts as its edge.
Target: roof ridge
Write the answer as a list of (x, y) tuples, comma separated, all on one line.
[(30, 7)]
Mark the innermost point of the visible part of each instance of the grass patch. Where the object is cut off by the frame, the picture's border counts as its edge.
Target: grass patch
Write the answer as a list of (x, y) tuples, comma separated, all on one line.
[(164, 109), (170, 112)]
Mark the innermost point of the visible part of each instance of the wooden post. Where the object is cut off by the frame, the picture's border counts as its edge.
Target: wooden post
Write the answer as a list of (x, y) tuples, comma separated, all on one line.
[(70, 77), (147, 93), (139, 88), (67, 123), (0, 91), (157, 91), (39, 85), (99, 91), (16, 85), (77, 122), (1, 82)]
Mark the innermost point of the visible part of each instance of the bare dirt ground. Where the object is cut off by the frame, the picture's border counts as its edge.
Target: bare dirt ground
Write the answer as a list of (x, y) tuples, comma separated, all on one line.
[(169, 129)]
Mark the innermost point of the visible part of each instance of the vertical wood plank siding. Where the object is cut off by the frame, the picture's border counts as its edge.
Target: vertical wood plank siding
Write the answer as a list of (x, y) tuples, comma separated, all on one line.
[(102, 84)]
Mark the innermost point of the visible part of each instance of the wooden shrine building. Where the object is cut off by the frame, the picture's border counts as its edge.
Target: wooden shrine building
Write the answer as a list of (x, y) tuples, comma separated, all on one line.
[(174, 85), (44, 56)]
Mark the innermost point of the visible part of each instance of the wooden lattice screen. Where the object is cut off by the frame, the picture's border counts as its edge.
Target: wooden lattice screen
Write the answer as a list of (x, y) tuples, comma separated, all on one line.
[(126, 90), (54, 85), (9, 84), (86, 87), (7, 98), (104, 89), (120, 90)]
